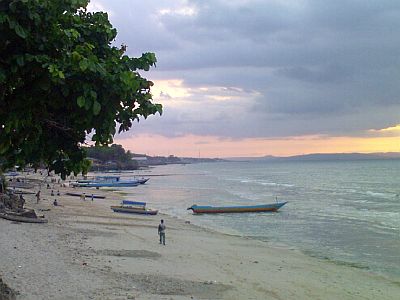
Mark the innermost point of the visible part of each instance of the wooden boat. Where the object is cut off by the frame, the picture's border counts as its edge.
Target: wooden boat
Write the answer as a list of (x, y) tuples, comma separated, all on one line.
[(17, 218), (197, 209), (88, 196), (133, 210)]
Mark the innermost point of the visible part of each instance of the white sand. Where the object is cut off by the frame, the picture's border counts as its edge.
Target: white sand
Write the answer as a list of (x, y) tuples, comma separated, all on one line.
[(86, 251)]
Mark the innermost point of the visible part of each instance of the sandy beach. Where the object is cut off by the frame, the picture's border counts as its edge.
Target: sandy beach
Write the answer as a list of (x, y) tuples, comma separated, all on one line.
[(86, 251)]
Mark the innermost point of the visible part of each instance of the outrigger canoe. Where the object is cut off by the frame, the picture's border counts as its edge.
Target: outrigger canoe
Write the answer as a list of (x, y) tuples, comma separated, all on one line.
[(86, 195), (133, 210), (198, 209)]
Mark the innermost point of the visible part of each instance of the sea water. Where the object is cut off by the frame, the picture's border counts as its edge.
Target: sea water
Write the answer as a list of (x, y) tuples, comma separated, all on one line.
[(346, 212)]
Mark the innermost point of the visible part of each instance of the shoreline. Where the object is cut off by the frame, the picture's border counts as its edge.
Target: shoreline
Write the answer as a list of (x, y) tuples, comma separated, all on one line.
[(86, 251)]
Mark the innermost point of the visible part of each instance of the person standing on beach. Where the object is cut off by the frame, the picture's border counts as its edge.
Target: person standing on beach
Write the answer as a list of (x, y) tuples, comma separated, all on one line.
[(37, 197), (161, 232)]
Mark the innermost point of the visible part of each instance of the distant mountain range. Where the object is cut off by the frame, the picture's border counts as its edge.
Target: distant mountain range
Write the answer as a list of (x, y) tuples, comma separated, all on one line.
[(322, 156)]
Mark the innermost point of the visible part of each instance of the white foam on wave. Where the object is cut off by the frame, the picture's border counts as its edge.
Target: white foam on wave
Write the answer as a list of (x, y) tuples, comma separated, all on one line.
[(380, 195), (275, 184)]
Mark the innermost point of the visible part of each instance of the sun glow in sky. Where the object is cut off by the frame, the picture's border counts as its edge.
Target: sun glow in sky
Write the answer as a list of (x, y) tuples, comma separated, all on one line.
[(254, 78), (211, 146)]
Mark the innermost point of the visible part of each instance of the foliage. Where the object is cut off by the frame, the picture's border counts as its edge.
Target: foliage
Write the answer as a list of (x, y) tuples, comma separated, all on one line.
[(61, 79), (114, 153)]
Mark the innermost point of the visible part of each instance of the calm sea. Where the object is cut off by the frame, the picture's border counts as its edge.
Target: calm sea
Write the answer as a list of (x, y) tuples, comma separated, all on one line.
[(347, 212)]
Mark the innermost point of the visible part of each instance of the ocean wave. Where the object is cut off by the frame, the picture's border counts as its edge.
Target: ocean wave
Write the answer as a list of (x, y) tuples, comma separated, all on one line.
[(381, 195), (275, 184)]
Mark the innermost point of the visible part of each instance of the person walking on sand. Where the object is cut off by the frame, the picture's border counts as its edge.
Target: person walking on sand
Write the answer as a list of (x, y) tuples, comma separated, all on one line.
[(37, 197), (161, 232)]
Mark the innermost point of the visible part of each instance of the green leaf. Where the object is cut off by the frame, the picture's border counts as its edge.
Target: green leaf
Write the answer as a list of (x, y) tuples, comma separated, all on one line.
[(83, 64), (80, 101), (20, 31), (159, 108), (96, 108), (93, 94), (11, 23), (88, 103), (3, 18)]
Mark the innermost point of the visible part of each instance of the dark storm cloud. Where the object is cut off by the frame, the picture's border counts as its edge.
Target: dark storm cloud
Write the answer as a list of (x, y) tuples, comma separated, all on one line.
[(305, 67)]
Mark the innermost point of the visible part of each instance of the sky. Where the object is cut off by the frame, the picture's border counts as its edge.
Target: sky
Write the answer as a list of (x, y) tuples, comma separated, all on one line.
[(241, 78)]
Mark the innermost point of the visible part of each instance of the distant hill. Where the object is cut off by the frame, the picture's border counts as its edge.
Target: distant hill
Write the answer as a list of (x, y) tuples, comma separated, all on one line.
[(323, 156)]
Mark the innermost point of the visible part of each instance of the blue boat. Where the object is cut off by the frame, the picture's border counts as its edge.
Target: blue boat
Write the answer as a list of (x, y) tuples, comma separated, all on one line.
[(198, 209), (133, 207), (129, 202), (110, 181)]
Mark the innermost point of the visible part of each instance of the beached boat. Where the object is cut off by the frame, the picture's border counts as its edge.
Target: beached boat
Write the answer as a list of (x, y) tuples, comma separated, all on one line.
[(23, 219), (87, 196), (110, 181), (198, 209), (133, 207), (120, 183), (133, 210)]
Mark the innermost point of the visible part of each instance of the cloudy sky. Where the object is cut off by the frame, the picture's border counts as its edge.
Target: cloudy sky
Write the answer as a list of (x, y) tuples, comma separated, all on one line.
[(254, 78)]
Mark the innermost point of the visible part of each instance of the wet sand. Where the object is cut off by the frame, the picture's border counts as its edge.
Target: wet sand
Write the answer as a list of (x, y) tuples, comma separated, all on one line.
[(86, 251)]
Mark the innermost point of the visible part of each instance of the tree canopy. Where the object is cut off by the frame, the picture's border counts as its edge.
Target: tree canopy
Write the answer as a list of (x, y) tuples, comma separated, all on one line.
[(61, 79), (114, 153)]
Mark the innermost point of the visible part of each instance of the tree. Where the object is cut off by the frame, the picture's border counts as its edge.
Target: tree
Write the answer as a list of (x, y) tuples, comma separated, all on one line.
[(61, 79), (114, 153)]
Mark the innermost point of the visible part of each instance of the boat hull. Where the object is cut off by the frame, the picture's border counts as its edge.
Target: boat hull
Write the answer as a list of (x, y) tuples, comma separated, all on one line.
[(22, 218), (132, 210), (236, 209), (108, 184), (142, 180), (87, 196)]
